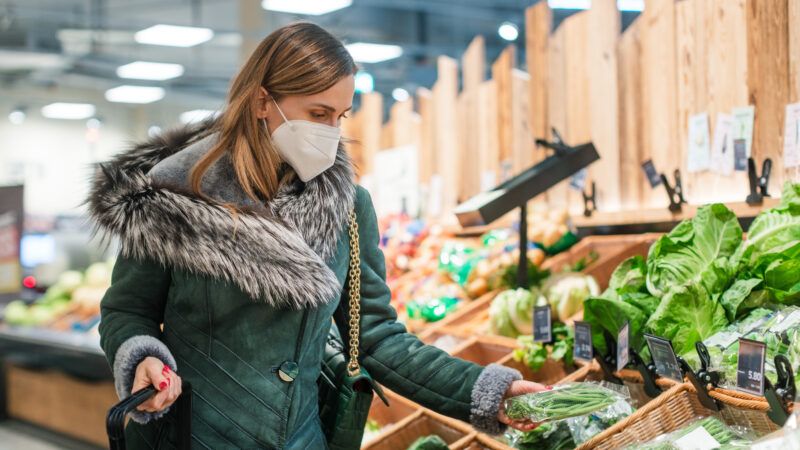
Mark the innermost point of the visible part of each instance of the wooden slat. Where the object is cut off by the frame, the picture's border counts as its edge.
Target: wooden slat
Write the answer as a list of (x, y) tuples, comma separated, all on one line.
[(427, 145), (659, 110), (474, 64), (488, 142), (629, 52), (558, 196), (445, 91), (768, 79), (576, 38), (400, 116), (371, 121), (538, 21), (603, 34), (501, 73), (522, 145), (794, 51)]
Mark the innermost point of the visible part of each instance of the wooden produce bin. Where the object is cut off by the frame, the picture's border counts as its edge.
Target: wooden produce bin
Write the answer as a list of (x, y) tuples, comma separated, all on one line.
[(444, 338), (59, 402), (551, 372), (419, 424), (485, 350), (478, 441)]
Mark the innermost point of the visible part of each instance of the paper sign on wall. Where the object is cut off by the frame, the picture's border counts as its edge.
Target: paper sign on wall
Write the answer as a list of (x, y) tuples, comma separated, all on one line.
[(722, 150), (742, 133), (791, 136), (699, 143)]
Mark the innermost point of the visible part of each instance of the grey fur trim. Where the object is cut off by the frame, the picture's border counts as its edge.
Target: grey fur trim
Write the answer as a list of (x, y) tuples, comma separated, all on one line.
[(276, 252), (487, 393), (132, 352)]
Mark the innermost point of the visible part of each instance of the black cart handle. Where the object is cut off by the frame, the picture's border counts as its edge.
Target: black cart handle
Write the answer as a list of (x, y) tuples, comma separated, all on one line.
[(115, 421)]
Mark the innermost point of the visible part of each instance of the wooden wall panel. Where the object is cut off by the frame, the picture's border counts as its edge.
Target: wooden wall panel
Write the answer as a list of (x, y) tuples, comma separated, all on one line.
[(402, 130), (603, 21), (794, 51), (473, 70), (768, 79), (538, 21), (659, 84), (488, 139), (633, 181), (474, 64), (445, 92), (576, 37), (371, 121), (522, 144), (558, 196), (501, 73), (427, 144)]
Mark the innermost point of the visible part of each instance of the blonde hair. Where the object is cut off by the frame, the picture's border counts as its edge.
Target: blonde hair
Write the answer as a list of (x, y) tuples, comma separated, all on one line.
[(297, 59)]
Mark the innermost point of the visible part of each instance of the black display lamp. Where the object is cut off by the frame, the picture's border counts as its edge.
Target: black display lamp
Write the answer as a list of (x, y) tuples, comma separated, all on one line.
[(486, 207)]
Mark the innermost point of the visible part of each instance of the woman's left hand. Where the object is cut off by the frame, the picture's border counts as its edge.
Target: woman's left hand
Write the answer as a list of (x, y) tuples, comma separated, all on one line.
[(518, 388)]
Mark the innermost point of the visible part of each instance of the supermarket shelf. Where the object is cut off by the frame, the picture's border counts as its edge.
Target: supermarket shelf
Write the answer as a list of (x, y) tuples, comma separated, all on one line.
[(656, 220), (76, 353)]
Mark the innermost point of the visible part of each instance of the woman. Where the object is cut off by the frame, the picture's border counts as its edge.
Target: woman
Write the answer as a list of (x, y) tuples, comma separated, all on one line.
[(234, 236)]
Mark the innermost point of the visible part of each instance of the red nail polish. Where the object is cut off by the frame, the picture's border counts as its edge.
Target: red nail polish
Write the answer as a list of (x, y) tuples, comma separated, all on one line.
[(165, 370), (549, 388), (163, 385)]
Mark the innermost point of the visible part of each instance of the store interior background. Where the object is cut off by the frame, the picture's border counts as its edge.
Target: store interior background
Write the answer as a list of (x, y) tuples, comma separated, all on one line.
[(54, 51)]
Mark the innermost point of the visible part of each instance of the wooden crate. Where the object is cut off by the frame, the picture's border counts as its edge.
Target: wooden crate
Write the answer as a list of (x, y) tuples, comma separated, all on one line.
[(399, 408), (485, 350), (478, 441), (59, 402), (551, 372), (445, 338), (421, 423), (604, 246)]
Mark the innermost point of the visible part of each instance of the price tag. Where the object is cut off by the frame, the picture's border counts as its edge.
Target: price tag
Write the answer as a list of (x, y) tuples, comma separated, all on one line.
[(578, 181), (750, 370), (623, 348), (542, 329), (650, 171), (583, 342), (699, 143), (664, 357), (722, 157), (791, 136)]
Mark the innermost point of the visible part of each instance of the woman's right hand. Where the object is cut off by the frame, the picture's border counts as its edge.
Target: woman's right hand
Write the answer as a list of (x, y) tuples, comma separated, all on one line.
[(167, 383)]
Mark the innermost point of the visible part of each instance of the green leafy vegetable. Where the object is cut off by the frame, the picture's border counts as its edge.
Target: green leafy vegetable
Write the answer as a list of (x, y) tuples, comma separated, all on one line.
[(535, 354), (432, 442), (567, 291), (511, 312), (547, 436), (734, 300)]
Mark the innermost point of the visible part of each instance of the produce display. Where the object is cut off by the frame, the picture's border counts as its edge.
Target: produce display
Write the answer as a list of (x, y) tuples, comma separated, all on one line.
[(702, 276), (535, 354), (708, 432), (562, 402), (547, 436), (432, 442), (71, 304)]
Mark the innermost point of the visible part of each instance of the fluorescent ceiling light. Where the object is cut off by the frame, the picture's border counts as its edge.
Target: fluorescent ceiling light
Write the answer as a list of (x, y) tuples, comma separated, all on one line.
[(197, 115), (61, 110), (569, 4), (143, 70), (154, 130), (134, 94), (16, 117), (173, 35), (400, 94), (630, 5), (364, 82), (508, 31), (373, 53), (307, 7)]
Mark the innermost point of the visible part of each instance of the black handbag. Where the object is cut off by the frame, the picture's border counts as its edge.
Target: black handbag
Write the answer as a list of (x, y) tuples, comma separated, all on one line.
[(345, 388)]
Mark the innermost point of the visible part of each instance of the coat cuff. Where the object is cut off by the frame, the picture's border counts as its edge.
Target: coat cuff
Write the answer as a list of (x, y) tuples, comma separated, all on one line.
[(129, 355), (487, 393)]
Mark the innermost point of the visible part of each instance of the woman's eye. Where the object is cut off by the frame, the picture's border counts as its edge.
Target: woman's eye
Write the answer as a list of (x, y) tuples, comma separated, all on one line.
[(318, 115)]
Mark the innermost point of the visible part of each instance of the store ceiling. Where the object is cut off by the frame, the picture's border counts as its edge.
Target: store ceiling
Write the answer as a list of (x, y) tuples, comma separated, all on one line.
[(80, 43)]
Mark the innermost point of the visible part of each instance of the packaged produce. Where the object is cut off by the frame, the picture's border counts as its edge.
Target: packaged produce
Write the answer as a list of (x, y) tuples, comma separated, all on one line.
[(787, 438), (564, 401), (432, 442), (547, 436), (703, 434), (431, 310)]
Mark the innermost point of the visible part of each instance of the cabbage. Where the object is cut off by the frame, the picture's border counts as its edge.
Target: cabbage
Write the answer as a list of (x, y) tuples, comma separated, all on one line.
[(500, 319), (567, 291), (69, 281), (511, 312), (98, 275), (16, 313)]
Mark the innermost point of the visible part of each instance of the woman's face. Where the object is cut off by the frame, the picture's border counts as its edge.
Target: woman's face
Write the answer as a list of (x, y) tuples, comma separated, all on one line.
[(327, 107)]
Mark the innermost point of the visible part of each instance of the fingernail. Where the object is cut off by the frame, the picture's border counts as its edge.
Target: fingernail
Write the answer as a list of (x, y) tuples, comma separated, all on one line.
[(165, 369), (548, 387), (163, 385)]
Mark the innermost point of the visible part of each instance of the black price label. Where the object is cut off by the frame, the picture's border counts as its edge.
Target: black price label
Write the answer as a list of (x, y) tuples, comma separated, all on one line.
[(623, 348), (664, 357), (578, 181), (740, 154), (583, 342), (542, 327), (652, 176), (750, 370)]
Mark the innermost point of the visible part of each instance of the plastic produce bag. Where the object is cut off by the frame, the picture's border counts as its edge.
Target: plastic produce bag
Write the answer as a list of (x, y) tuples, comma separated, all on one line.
[(586, 427), (707, 433), (548, 436), (565, 401), (787, 438)]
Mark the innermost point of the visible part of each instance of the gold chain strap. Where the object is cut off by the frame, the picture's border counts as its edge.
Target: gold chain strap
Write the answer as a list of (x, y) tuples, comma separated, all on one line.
[(353, 368)]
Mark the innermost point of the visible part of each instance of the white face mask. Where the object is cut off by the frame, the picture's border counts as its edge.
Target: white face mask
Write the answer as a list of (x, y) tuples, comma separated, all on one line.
[(309, 147)]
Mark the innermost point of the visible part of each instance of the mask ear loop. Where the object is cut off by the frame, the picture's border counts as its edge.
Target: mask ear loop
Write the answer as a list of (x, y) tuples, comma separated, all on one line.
[(285, 120)]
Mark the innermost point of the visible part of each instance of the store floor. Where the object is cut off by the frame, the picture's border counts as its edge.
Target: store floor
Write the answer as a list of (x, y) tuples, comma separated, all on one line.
[(21, 436)]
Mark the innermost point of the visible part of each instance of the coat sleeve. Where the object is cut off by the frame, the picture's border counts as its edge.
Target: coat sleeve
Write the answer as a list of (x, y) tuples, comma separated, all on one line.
[(401, 362), (131, 314)]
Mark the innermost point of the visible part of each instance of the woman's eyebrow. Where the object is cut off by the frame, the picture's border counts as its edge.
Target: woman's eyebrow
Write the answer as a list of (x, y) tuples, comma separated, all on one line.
[(328, 107)]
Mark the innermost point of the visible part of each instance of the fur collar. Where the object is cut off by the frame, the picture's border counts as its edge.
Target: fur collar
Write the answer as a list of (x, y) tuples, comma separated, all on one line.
[(276, 253)]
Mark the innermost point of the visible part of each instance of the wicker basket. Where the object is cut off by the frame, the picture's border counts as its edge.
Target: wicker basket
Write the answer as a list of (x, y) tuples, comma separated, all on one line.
[(671, 410), (422, 423), (744, 410)]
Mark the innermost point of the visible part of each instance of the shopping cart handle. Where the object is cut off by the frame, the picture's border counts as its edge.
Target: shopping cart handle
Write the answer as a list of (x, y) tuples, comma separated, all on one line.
[(115, 421)]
